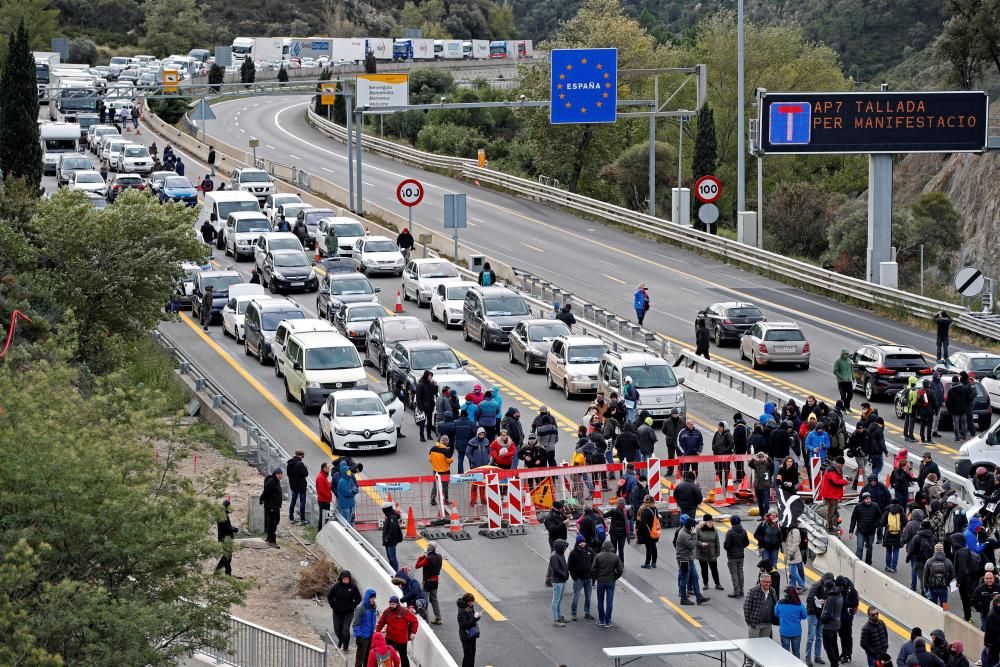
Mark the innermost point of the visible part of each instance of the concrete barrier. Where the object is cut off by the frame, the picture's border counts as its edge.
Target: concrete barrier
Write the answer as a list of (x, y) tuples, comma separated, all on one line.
[(370, 571)]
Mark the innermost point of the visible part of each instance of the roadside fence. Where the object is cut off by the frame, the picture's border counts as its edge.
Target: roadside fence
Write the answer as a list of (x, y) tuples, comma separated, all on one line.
[(252, 645)]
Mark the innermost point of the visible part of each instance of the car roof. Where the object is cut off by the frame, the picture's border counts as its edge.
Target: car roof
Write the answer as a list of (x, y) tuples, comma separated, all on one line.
[(163, 173), (66, 155), (239, 215), (891, 349), (637, 358), (128, 176), (347, 275), (981, 355), (244, 170), (309, 324), (426, 260), (87, 171), (229, 195), (733, 304), (340, 219), (354, 393), (269, 236), (255, 297), (316, 337), (218, 273), (416, 345), (403, 319), (286, 251), (377, 238), (272, 304), (581, 340), (779, 325), (314, 209), (494, 290), (132, 144)]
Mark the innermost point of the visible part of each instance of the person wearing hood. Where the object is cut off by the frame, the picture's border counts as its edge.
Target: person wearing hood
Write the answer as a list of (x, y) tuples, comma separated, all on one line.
[(818, 442), (892, 526), (392, 533), (939, 645), (874, 637), (647, 530), (534, 456), (440, 456), (640, 303), (938, 572), (919, 551), (671, 428), (830, 617), (685, 546), (763, 471), (607, 570), (909, 409), (691, 443), (631, 397), (815, 599), (412, 592), (741, 443), (465, 430), (647, 438), (688, 494), (850, 601), (706, 551), (768, 536), (900, 480), (956, 655), (544, 426), (446, 423), (400, 627), (431, 563), (968, 570), (831, 490), (702, 337), (347, 489), (488, 414), (790, 613), (363, 627), (468, 628), (271, 498), (559, 569), (404, 241), (722, 445), (937, 388), (476, 396), (735, 545), (972, 535), (511, 422), (343, 598), (566, 316), (479, 449), (423, 402), (627, 443), (843, 372), (865, 520), (769, 413), (580, 564), (875, 445)]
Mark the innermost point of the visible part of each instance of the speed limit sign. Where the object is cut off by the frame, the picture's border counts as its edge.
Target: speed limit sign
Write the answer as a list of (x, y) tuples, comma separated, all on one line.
[(410, 192), (707, 189)]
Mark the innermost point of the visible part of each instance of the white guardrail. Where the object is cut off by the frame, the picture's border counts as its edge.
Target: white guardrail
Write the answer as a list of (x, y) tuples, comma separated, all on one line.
[(807, 274)]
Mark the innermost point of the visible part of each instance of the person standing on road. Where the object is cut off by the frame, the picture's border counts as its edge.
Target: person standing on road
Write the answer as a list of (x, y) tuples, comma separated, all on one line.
[(892, 522), (566, 316), (688, 495), (647, 531), (211, 160), (640, 302), (909, 409), (970, 403), (865, 520), (831, 490), (735, 545), (560, 575), (691, 443), (722, 445), (685, 545), (363, 627), (324, 493), (205, 312), (440, 457), (983, 596), (465, 431), (768, 536), (707, 552), (347, 489), (790, 613), (843, 372), (762, 469), (792, 546), (631, 397), (938, 573), (702, 336), (758, 609), (580, 564), (431, 563), (875, 446), (815, 600), (957, 402), (344, 598), (468, 628), (424, 404), (618, 531), (544, 426), (226, 534), (488, 414), (943, 321), (937, 388), (830, 617), (382, 654), (298, 476), (608, 569), (179, 166), (647, 439), (874, 637), (392, 533), (271, 499), (555, 527), (400, 627)]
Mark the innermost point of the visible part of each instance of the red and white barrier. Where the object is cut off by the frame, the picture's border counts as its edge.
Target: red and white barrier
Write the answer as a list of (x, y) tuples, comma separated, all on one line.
[(494, 512), (653, 475)]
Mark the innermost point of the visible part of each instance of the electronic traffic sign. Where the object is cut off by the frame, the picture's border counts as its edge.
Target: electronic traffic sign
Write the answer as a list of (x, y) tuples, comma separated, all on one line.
[(873, 122)]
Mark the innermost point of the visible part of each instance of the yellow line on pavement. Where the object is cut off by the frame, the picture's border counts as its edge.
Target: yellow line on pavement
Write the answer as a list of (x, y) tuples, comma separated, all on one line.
[(680, 612), (464, 584)]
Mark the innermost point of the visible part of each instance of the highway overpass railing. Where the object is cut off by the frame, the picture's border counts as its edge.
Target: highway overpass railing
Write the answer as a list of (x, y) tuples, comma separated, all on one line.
[(252, 645)]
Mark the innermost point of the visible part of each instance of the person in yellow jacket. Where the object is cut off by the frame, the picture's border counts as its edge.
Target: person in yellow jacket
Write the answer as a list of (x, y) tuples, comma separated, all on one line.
[(441, 456), (910, 409)]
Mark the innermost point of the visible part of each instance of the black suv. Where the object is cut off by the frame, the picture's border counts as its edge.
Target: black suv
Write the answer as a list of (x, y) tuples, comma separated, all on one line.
[(884, 370), (409, 359), (728, 321)]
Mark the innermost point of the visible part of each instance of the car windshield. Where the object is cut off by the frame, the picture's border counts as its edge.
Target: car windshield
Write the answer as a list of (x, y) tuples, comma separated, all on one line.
[(984, 363), (351, 286), (285, 244), (291, 259), (456, 293), (254, 177), (77, 163), (161, 176), (585, 354), (462, 387), (365, 406), (438, 270), (904, 360), (225, 208), (396, 330), (241, 307), (505, 305), (313, 217), (332, 358), (546, 332), (433, 359), (220, 283), (177, 182), (348, 229), (89, 178), (98, 202), (270, 321), (380, 246), (136, 151), (748, 312), (285, 199), (651, 377), (784, 335), (365, 313), (292, 210), (252, 225)]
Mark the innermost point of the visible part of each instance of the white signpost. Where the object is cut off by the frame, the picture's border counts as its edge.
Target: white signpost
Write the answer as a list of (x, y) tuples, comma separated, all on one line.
[(377, 91)]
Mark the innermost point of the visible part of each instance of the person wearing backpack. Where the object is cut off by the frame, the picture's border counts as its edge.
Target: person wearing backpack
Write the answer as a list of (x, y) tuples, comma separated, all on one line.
[(382, 654), (968, 570), (830, 618), (927, 406), (647, 530), (919, 550), (892, 523), (938, 573)]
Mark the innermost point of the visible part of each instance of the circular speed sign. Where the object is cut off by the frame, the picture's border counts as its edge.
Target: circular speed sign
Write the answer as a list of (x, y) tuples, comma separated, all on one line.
[(410, 192), (707, 189)]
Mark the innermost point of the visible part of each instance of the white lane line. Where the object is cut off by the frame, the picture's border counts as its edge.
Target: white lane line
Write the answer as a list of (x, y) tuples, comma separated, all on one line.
[(236, 123), (476, 220), (327, 169), (243, 131), (371, 185), (270, 146), (617, 280), (528, 245), (294, 157)]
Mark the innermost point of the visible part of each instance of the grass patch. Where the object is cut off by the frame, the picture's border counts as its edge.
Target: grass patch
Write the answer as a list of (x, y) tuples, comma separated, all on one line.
[(147, 364), (212, 435)]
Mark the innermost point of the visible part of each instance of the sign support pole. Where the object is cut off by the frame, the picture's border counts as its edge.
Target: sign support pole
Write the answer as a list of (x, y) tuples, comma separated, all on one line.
[(652, 146), (357, 147), (349, 106), (455, 255), (879, 215)]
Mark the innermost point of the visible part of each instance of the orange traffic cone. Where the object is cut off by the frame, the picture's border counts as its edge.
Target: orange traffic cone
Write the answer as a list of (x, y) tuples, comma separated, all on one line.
[(411, 525), (399, 301), (455, 525), (530, 519), (671, 501), (744, 493), (730, 491), (719, 496), (860, 482), (598, 500)]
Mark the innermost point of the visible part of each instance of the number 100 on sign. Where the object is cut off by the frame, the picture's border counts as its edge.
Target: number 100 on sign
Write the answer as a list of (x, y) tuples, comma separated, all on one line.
[(410, 192), (707, 189)]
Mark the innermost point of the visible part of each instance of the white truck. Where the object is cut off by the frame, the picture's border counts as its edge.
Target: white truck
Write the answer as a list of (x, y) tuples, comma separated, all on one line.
[(447, 49), (412, 49), (71, 91), (56, 139), (512, 49), (381, 47), (347, 49), (309, 47), (476, 49), (45, 62), (243, 48)]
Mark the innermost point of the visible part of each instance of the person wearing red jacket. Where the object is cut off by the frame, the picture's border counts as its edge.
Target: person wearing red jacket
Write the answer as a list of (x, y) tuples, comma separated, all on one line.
[(381, 654), (400, 626), (324, 494), (831, 489), (503, 450)]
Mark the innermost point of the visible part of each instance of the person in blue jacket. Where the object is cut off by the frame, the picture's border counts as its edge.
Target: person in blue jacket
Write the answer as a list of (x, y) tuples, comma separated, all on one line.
[(640, 302), (972, 535), (690, 443), (487, 415), (818, 442), (790, 613), (363, 627), (413, 594), (768, 413), (347, 488), (479, 449)]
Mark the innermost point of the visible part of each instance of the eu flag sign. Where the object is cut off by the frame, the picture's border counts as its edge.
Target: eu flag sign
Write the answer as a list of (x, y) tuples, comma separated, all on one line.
[(584, 86)]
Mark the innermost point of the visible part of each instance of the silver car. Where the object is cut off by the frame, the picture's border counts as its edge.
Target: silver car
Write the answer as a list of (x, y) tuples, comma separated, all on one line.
[(775, 342), (531, 339), (572, 364)]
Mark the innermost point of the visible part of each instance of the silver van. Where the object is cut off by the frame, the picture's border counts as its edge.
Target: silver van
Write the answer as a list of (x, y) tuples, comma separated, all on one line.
[(659, 389)]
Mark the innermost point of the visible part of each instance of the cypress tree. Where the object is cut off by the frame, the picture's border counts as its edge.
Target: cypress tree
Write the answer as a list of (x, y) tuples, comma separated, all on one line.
[(20, 150), (706, 152), (248, 72), (283, 75)]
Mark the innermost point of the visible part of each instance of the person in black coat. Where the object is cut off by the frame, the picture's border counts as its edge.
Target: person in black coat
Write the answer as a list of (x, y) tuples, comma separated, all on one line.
[(688, 494), (208, 232), (226, 532), (424, 402), (701, 339), (865, 521), (566, 315), (298, 476), (555, 526), (271, 498), (468, 628), (343, 597), (627, 443)]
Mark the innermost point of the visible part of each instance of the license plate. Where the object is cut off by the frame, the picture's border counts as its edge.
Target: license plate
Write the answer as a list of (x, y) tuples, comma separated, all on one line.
[(905, 374), (297, 284), (992, 507), (367, 446), (785, 348), (593, 385)]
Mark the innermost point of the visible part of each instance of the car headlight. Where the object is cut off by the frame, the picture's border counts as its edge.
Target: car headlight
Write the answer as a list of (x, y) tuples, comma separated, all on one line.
[(312, 274), (277, 274), (312, 385), (390, 429), (490, 324), (340, 431)]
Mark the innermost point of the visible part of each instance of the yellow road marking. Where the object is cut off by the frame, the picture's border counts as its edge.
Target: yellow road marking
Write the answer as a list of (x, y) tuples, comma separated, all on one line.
[(680, 612), (464, 584)]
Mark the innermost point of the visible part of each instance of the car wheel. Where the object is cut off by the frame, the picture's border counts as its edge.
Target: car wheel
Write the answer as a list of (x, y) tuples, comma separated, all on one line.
[(288, 394), (406, 295), (226, 251), (718, 336), (225, 331), (510, 355), (421, 304), (804, 366), (898, 408), (246, 348), (753, 361), (483, 340), (306, 410), (742, 354), (322, 436), (869, 389), (277, 369), (260, 355), (465, 333), (383, 368), (548, 379), (434, 317), (566, 391)]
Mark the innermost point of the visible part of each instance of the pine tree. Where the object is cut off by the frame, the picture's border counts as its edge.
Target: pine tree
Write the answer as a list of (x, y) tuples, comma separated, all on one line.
[(20, 150), (283, 75), (248, 72), (705, 149), (216, 75)]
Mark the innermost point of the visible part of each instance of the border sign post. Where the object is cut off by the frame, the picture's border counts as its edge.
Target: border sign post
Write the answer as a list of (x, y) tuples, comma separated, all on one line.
[(584, 86)]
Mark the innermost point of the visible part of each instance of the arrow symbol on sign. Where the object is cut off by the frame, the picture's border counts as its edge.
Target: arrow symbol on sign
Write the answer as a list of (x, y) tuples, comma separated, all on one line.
[(790, 110)]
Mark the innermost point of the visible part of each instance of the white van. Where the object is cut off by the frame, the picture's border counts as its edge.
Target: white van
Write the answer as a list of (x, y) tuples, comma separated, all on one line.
[(318, 363), (981, 450), (218, 206), (57, 138), (286, 329), (659, 389)]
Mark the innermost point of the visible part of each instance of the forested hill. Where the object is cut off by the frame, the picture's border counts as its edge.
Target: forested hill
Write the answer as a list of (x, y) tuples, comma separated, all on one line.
[(871, 36)]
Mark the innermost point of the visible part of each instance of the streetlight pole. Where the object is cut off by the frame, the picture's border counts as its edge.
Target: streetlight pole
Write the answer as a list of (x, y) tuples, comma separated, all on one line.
[(741, 189)]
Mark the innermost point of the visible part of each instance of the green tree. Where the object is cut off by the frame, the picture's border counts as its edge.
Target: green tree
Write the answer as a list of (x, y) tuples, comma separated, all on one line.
[(174, 26), (501, 22), (216, 75), (796, 219), (958, 45), (83, 50), (248, 71), (410, 15), (450, 139), (20, 150), (283, 74), (706, 150), (629, 175), (933, 223), (41, 19), (371, 65), (18, 575), (428, 84)]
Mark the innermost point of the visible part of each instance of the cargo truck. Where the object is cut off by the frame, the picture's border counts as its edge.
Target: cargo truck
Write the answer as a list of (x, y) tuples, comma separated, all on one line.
[(447, 49), (71, 91), (476, 49), (511, 49), (45, 62), (347, 49)]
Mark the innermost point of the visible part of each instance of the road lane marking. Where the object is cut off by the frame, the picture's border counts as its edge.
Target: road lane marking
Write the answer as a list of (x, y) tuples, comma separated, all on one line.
[(294, 157), (466, 586), (617, 280), (328, 169), (270, 146), (535, 248), (243, 131), (680, 612)]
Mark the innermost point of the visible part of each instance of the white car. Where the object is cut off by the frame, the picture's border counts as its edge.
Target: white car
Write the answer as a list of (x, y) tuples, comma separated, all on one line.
[(272, 203), (255, 181), (243, 228), (112, 153), (447, 301), (233, 313), (95, 132), (271, 241), (422, 276), (87, 181), (355, 420), (378, 254), (348, 231), (135, 159)]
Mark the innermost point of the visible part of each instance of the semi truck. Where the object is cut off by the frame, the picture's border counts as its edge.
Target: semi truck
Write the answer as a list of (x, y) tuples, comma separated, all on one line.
[(476, 49), (511, 49), (71, 91), (45, 62), (347, 49), (412, 49), (447, 49), (262, 49), (381, 47)]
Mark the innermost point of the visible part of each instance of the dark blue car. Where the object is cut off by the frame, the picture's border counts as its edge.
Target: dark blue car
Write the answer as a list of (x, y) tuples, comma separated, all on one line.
[(178, 189)]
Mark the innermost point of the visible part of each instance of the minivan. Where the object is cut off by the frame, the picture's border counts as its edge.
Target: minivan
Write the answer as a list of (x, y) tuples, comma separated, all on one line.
[(286, 329), (572, 363), (218, 205), (982, 450), (317, 364), (659, 389), (261, 320), (491, 313)]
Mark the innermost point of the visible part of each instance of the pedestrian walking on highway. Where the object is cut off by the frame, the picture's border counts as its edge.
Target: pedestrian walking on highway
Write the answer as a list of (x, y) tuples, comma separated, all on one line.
[(920, 551), (608, 569), (830, 616), (762, 469), (392, 533), (943, 321), (440, 457), (690, 442), (324, 493), (205, 311), (382, 654), (344, 598), (347, 489), (179, 166), (555, 526), (431, 563), (580, 564), (735, 545), (790, 612), (298, 476), (560, 575), (566, 316), (468, 628), (400, 626), (640, 302), (211, 160), (271, 499), (363, 627), (850, 601), (792, 547), (487, 276), (135, 118), (758, 609), (226, 534), (404, 241), (648, 530), (831, 491), (874, 637), (702, 336), (865, 520), (815, 600), (892, 522), (938, 573), (424, 404), (843, 372)]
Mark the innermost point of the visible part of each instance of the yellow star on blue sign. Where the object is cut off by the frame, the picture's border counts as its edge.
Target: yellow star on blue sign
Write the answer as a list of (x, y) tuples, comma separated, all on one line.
[(585, 80)]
